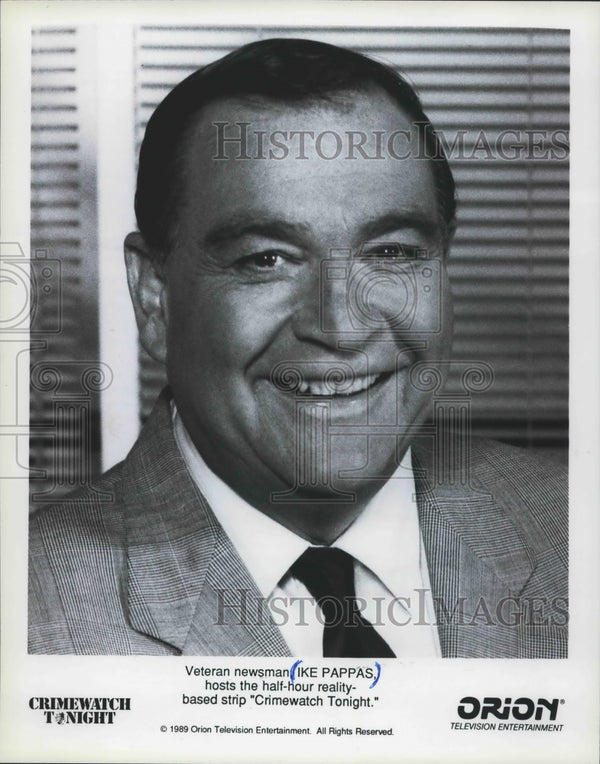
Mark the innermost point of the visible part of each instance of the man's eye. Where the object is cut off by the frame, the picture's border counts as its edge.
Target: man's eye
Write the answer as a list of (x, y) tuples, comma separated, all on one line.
[(394, 250), (261, 260)]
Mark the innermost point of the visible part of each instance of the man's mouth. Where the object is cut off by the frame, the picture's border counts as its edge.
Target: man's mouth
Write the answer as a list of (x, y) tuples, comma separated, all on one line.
[(346, 388)]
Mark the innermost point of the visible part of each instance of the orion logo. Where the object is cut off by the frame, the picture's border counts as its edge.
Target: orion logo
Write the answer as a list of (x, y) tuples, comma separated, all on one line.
[(521, 708)]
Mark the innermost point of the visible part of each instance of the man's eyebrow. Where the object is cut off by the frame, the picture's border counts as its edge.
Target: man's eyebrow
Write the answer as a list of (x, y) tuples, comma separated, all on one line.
[(274, 228), (396, 221), (298, 233)]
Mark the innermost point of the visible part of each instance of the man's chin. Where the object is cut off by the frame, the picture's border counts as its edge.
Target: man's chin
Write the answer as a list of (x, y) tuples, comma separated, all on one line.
[(347, 481), (318, 516)]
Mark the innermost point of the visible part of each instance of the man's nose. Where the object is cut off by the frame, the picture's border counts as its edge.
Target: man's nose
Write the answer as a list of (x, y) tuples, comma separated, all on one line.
[(322, 314)]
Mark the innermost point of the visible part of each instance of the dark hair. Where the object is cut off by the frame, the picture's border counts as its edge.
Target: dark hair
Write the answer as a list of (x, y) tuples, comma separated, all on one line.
[(283, 70)]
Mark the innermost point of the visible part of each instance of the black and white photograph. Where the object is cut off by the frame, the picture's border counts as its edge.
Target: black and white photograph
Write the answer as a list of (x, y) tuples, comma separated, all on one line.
[(297, 388)]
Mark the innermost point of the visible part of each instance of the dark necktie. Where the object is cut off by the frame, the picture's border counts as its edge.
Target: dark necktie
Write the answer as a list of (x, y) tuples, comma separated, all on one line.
[(328, 574)]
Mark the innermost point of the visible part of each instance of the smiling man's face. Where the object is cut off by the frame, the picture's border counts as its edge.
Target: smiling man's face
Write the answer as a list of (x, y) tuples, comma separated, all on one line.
[(285, 270)]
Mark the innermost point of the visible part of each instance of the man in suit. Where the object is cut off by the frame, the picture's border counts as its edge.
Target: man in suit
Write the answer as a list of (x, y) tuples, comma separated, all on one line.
[(287, 496)]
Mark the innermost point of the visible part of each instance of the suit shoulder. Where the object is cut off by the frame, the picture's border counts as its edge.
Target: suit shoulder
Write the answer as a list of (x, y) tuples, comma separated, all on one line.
[(529, 472), (87, 512), (529, 487)]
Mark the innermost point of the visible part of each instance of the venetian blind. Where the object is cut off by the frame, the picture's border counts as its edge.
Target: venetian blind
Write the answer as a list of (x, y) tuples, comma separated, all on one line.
[(64, 329), (509, 263)]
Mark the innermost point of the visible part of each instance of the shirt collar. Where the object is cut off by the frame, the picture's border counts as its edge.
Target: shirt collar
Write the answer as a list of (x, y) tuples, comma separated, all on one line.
[(385, 537)]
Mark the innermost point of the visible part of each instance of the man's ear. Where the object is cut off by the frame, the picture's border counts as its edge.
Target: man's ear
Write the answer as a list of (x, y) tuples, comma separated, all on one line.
[(148, 292)]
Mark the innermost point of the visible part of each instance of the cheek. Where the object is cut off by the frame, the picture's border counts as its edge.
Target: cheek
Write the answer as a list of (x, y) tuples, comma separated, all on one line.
[(223, 331), (409, 298), (434, 313)]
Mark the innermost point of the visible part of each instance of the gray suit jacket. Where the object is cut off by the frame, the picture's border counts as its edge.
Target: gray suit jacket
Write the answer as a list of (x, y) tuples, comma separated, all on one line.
[(138, 563)]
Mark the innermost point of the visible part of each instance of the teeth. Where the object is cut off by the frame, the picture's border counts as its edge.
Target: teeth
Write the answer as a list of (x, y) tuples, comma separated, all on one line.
[(331, 388)]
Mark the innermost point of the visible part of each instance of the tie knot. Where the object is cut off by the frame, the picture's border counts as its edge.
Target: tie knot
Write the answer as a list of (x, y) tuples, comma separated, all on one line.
[(327, 573)]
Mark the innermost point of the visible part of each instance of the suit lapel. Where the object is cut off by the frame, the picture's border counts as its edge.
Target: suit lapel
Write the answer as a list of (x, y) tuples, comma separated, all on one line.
[(186, 583), (231, 617), (478, 562)]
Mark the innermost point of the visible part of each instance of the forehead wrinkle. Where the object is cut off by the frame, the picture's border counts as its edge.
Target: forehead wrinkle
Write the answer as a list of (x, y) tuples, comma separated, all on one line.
[(410, 218), (248, 225)]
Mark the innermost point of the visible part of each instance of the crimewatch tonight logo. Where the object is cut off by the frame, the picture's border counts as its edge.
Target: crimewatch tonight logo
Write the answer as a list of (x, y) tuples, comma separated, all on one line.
[(79, 710)]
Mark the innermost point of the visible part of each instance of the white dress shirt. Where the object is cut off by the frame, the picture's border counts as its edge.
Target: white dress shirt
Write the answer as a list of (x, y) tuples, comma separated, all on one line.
[(390, 569)]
